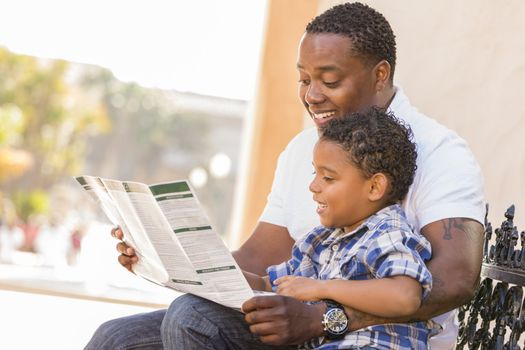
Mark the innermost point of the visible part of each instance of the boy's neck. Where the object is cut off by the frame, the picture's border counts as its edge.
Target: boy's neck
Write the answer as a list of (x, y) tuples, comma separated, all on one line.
[(376, 209)]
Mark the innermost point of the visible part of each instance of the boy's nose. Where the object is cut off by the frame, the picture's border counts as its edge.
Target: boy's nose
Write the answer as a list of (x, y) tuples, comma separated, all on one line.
[(313, 187)]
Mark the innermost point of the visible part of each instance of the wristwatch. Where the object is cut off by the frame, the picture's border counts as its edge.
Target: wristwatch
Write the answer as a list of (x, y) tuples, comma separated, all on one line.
[(335, 321)]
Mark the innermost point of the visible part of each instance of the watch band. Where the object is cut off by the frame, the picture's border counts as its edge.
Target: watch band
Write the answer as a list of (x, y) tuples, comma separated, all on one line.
[(333, 304)]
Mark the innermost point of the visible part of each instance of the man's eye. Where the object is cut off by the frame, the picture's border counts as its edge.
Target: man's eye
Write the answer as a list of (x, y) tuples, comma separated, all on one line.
[(332, 84), (304, 82)]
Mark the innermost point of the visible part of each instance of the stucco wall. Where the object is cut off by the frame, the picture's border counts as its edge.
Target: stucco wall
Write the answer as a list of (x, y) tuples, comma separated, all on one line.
[(463, 63)]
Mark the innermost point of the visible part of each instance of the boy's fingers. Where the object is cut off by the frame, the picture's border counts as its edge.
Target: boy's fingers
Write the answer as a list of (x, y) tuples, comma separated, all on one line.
[(282, 280)]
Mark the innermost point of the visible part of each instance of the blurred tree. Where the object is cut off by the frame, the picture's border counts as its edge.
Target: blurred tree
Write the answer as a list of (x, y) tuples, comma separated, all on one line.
[(59, 119), (148, 125), (44, 117)]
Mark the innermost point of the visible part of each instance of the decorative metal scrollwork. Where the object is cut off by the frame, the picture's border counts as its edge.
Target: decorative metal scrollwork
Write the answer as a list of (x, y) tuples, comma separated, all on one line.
[(495, 318)]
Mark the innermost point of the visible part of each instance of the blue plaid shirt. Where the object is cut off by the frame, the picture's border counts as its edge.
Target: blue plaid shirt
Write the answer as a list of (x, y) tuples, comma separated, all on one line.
[(383, 246)]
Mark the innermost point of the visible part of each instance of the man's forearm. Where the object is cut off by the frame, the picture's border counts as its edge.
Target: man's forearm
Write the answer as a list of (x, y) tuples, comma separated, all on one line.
[(360, 319), (259, 252), (457, 244), (257, 282)]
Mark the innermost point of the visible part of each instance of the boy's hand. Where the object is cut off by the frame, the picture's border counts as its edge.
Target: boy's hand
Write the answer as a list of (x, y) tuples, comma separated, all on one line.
[(127, 255), (302, 288)]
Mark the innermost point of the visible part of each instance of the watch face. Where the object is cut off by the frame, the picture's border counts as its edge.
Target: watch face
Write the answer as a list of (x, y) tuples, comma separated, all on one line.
[(336, 321)]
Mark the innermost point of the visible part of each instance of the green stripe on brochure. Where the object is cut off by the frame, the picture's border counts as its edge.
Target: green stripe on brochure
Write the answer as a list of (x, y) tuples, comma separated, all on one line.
[(173, 196), (81, 180), (197, 283), (180, 186), (188, 229), (217, 269)]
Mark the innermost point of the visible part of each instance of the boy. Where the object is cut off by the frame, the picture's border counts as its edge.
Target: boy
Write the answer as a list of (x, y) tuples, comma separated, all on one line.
[(365, 256)]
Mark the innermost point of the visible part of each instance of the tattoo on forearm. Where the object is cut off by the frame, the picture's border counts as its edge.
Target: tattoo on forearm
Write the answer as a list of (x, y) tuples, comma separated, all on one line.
[(452, 224)]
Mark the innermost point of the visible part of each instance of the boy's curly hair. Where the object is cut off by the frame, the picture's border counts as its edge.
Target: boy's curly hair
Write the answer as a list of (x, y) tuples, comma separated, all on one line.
[(377, 142)]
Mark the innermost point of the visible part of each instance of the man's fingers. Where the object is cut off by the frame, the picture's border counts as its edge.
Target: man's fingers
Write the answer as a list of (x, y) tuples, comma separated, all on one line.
[(270, 332), (271, 339), (265, 311), (125, 261), (263, 329), (116, 232), (123, 248), (261, 302)]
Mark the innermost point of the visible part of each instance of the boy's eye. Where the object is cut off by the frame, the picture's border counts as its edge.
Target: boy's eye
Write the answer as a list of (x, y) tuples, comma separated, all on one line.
[(327, 179)]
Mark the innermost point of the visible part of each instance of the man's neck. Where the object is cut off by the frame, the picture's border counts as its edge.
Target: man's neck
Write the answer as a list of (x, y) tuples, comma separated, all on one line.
[(386, 97)]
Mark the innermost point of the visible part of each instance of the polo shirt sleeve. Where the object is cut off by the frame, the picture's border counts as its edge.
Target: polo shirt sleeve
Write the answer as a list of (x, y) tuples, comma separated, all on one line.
[(276, 271), (450, 183), (400, 253), (273, 212)]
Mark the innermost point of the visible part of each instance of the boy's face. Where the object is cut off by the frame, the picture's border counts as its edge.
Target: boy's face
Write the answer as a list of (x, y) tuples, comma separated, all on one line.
[(332, 81), (339, 188)]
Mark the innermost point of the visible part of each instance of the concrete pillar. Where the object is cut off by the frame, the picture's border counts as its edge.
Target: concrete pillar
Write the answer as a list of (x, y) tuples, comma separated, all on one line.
[(277, 114)]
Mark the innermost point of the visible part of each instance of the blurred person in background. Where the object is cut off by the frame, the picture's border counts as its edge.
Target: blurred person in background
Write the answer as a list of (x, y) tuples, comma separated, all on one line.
[(11, 239), (77, 233), (52, 243), (346, 63)]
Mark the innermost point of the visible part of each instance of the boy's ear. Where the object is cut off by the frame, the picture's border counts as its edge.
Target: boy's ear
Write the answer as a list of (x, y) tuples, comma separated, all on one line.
[(379, 185)]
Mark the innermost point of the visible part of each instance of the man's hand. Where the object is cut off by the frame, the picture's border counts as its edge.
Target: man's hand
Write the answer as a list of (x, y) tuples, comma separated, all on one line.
[(302, 288), (282, 320), (127, 255)]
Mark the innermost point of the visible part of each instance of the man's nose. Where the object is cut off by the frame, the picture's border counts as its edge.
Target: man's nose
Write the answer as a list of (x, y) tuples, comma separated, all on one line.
[(314, 94)]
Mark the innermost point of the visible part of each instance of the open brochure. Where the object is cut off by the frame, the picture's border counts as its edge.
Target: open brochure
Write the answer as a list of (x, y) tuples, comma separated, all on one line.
[(173, 238)]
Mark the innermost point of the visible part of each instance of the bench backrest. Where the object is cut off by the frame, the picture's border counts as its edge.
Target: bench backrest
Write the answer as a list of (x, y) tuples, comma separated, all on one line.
[(495, 318)]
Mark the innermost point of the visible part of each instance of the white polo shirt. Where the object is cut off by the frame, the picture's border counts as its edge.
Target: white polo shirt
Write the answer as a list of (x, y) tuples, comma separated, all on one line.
[(448, 184)]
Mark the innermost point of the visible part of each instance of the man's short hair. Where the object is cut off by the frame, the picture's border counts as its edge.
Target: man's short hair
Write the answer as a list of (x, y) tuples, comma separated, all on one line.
[(376, 142), (371, 34)]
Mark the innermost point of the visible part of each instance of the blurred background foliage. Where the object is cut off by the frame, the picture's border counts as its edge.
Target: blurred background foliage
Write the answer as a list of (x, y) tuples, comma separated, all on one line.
[(43, 133), (60, 119)]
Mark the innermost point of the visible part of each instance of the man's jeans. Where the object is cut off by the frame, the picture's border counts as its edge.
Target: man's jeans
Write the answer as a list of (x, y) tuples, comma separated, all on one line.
[(141, 331), (189, 323)]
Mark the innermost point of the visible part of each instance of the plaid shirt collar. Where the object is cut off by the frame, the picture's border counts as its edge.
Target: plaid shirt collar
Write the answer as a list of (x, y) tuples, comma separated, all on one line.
[(332, 235)]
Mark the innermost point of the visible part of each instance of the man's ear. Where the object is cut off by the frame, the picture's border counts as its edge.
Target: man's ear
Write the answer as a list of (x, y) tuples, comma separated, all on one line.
[(379, 187), (382, 72)]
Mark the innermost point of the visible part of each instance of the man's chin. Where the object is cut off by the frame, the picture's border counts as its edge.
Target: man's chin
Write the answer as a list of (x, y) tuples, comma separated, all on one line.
[(319, 123)]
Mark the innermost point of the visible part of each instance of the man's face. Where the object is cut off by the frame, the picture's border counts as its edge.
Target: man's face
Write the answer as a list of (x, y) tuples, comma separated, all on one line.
[(339, 188), (333, 82)]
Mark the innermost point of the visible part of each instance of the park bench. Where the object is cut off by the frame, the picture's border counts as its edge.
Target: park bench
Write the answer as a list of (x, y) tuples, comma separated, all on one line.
[(495, 318)]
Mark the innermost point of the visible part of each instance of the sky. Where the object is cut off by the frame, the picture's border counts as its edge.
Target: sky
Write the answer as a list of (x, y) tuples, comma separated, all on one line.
[(208, 47)]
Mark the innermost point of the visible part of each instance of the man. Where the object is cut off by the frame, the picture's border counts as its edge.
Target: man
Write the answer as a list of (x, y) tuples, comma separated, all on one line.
[(346, 63)]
